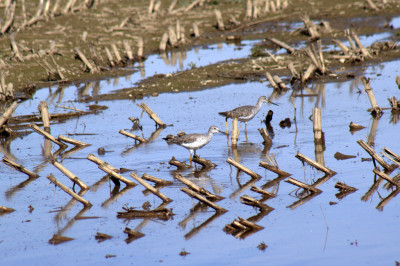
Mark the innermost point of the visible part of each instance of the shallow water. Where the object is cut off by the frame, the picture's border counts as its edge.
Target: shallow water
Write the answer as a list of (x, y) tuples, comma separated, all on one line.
[(395, 22), (315, 232)]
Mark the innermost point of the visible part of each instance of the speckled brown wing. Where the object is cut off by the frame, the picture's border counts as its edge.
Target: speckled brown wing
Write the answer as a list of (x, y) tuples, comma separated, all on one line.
[(189, 138), (238, 112), (246, 110)]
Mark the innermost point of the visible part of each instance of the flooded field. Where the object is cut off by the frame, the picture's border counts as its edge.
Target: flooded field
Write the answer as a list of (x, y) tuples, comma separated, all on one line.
[(188, 61), (322, 230)]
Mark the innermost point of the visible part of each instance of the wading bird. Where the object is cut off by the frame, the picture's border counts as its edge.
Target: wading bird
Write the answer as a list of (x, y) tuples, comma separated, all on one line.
[(194, 141), (245, 113)]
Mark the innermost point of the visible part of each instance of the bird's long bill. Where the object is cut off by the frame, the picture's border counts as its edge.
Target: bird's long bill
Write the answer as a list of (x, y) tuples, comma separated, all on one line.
[(272, 102), (225, 133)]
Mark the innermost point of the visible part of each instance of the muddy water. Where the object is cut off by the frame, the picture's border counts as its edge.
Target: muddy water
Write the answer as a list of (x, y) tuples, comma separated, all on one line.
[(312, 233)]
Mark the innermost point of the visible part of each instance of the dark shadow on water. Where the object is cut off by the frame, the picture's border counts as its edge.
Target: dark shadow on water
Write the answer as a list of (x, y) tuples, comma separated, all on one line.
[(372, 189), (321, 180), (372, 132), (203, 225), (274, 183), (394, 117), (198, 208), (63, 212), (72, 221), (242, 188), (71, 151), (114, 195), (130, 149), (260, 215), (303, 200), (154, 135), (10, 193), (99, 183), (386, 200), (270, 130), (5, 148), (377, 180)]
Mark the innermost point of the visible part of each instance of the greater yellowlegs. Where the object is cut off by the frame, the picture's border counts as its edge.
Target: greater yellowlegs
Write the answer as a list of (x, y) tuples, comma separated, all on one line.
[(245, 113), (194, 141)]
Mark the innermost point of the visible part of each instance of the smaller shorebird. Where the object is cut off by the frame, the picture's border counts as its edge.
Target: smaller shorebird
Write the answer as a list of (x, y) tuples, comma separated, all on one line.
[(194, 141), (245, 113)]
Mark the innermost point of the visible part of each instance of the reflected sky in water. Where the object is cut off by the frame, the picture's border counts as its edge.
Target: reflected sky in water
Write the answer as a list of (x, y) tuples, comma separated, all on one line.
[(360, 225)]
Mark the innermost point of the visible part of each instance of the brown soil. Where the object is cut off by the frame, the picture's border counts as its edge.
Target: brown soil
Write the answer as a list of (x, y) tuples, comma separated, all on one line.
[(102, 23)]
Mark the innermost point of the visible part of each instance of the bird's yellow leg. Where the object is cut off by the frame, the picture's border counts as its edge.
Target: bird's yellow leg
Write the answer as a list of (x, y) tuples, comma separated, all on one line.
[(227, 129), (191, 157)]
